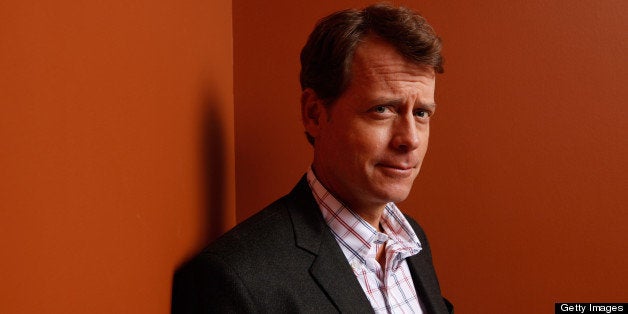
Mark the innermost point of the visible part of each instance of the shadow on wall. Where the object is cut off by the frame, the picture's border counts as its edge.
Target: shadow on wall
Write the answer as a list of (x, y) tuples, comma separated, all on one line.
[(214, 170), (213, 149)]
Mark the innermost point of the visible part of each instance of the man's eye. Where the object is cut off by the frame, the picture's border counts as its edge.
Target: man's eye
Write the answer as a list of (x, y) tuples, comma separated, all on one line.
[(380, 109), (422, 113)]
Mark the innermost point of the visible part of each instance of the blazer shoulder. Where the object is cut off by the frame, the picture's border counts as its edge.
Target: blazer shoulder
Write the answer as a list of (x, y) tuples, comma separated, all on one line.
[(268, 227)]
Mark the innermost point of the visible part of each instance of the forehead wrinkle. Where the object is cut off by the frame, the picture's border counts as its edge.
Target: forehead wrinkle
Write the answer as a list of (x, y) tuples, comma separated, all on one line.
[(406, 72), (389, 63), (387, 76)]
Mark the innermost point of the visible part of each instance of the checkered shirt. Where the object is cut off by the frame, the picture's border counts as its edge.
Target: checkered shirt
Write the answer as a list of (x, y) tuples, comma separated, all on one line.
[(389, 289)]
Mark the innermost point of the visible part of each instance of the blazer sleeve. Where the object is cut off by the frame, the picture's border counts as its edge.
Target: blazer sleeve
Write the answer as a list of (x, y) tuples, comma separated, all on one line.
[(208, 285)]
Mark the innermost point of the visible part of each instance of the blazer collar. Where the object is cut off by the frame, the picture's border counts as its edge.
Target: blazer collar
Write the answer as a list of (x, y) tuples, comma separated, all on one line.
[(329, 268)]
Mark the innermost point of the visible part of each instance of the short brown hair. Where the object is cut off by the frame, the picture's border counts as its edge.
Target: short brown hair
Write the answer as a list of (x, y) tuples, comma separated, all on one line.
[(327, 56)]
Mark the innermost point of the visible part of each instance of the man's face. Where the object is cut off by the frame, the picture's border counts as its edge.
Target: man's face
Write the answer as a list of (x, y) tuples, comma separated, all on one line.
[(370, 143)]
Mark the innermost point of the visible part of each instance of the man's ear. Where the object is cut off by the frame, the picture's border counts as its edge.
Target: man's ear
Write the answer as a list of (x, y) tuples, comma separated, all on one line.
[(312, 111)]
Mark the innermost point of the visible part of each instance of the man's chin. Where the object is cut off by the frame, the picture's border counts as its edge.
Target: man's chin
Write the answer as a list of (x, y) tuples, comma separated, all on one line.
[(394, 194)]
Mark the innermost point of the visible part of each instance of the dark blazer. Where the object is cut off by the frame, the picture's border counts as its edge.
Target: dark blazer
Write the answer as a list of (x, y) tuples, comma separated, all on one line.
[(284, 259)]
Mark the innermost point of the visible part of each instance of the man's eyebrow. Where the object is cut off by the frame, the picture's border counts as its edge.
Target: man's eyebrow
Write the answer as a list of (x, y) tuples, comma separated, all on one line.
[(397, 101), (431, 106)]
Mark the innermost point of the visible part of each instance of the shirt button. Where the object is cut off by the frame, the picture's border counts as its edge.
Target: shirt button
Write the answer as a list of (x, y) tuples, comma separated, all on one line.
[(356, 265)]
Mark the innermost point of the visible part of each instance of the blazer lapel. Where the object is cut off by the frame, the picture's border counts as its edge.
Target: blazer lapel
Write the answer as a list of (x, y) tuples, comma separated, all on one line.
[(330, 268), (336, 277), (426, 283)]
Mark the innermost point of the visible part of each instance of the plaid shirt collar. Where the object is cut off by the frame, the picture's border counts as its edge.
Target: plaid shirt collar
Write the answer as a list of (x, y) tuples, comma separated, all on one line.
[(357, 237)]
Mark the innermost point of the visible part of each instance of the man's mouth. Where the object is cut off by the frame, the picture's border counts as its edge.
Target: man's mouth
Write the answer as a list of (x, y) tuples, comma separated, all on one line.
[(396, 170)]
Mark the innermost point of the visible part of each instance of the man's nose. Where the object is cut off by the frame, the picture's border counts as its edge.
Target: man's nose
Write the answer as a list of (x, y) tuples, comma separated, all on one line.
[(405, 134)]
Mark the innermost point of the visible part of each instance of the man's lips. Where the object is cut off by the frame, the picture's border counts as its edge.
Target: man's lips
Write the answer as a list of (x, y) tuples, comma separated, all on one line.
[(399, 165), (401, 170)]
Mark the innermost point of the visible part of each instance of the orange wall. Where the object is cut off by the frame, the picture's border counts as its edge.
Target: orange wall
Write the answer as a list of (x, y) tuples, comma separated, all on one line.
[(116, 146), (523, 192)]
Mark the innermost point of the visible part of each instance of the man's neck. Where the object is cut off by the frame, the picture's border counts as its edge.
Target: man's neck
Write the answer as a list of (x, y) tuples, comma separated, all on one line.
[(372, 214)]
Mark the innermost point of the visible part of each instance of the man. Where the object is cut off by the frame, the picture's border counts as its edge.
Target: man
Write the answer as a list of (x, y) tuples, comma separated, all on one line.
[(337, 242)]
